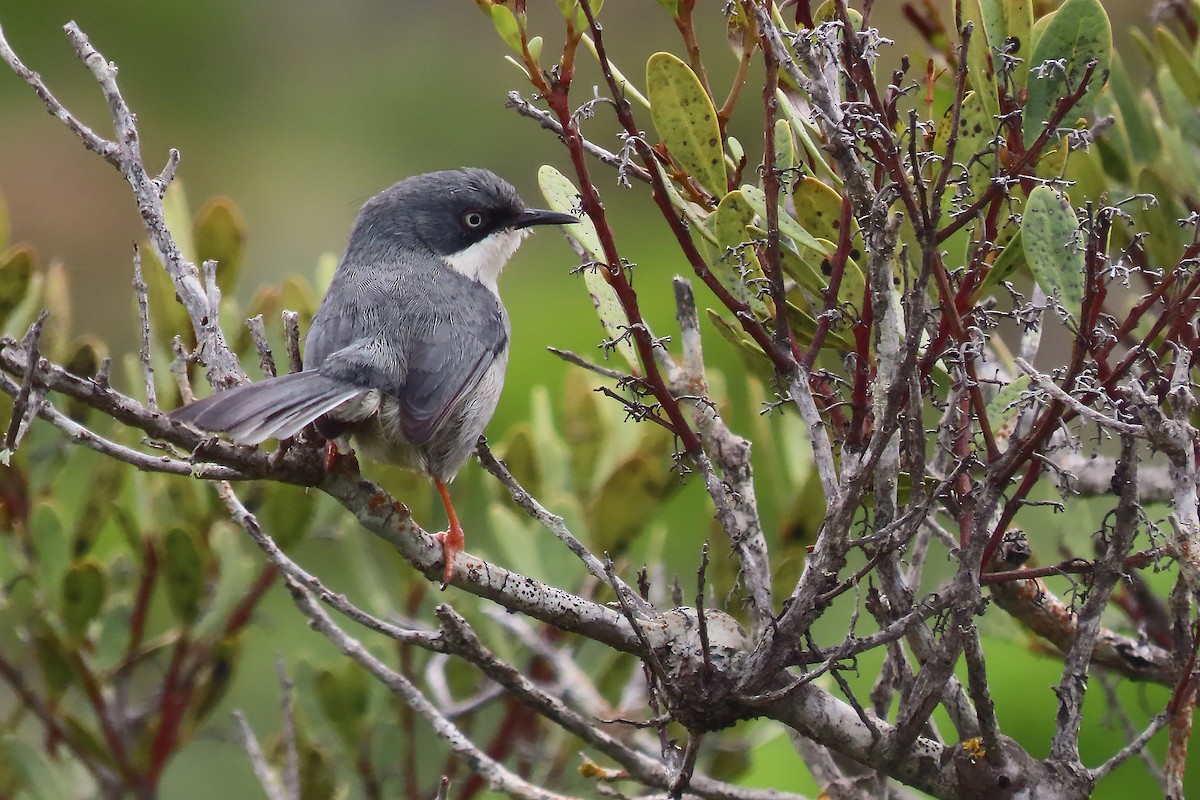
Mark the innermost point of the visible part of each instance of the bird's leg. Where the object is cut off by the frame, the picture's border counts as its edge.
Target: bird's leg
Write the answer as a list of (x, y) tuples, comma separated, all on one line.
[(452, 540), (331, 454)]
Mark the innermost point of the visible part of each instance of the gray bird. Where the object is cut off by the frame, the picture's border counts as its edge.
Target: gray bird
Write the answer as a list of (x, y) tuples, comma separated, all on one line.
[(408, 349)]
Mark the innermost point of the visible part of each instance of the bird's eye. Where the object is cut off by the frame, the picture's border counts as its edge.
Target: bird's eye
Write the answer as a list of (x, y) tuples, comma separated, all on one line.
[(473, 219)]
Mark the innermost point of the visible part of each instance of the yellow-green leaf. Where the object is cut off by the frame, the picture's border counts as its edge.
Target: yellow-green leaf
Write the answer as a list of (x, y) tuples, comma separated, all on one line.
[(627, 499), (561, 195), (752, 355), (686, 120), (38, 777), (973, 147), (735, 265), (299, 296), (16, 273), (506, 25), (1018, 23), (573, 12), (220, 234), (788, 226)]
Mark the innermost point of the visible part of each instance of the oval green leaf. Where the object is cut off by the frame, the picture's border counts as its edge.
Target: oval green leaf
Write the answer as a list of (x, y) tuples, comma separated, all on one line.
[(686, 120), (561, 195), (1050, 231), (84, 588), (220, 234), (16, 274), (183, 575), (1078, 33)]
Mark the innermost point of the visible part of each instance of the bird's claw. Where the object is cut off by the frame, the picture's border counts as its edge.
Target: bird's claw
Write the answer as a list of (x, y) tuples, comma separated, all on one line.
[(452, 544)]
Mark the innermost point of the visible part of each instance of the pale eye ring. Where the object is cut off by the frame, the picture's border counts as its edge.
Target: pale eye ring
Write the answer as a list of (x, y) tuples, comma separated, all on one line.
[(473, 219)]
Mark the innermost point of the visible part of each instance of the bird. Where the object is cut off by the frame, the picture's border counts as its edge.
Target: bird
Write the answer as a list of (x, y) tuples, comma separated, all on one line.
[(407, 351)]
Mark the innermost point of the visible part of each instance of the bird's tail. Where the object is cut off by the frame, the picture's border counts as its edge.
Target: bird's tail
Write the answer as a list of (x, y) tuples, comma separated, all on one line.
[(276, 408)]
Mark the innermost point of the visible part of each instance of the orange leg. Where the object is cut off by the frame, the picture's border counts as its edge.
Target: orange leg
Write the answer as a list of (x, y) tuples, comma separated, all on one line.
[(331, 454), (453, 539)]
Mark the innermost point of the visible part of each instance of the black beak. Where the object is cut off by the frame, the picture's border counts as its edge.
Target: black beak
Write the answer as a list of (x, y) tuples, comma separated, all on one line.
[(535, 216)]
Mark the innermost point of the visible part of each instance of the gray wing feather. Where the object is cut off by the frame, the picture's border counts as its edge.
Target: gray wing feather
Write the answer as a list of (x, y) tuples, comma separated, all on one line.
[(423, 334), (275, 408), (448, 361)]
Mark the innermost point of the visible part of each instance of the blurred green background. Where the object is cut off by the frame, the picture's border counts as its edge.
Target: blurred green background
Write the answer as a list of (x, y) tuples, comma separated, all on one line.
[(301, 110)]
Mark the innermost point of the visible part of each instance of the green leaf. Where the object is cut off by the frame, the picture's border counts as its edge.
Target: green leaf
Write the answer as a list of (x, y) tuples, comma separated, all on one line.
[(672, 6), (751, 354), (788, 226), (220, 234), (1078, 33), (1160, 218), (299, 296), (287, 513), (973, 147), (1018, 24), (1005, 408), (57, 670), (1011, 258), (827, 12), (217, 677), (735, 264), (1173, 54), (628, 499), (686, 120), (56, 299), (38, 777), (805, 328), (183, 574), (343, 694), (506, 25), (51, 543), (1138, 114), (573, 13), (585, 428), (820, 207), (785, 146), (99, 503), (178, 216), (84, 589), (16, 273), (561, 195), (1054, 248), (519, 452), (979, 60), (83, 359), (168, 317)]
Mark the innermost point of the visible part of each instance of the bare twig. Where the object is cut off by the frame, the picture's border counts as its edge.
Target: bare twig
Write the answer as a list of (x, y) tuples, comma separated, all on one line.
[(140, 289), (262, 770)]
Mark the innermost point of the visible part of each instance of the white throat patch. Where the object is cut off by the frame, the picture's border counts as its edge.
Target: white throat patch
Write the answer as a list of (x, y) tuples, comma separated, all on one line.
[(484, 260)]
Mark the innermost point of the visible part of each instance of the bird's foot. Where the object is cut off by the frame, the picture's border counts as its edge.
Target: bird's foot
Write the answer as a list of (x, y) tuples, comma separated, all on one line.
[(452, 541), (335, 458)]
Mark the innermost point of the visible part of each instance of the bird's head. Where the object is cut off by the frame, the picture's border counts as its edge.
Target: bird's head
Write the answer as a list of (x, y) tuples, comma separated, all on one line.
[(473, 219)]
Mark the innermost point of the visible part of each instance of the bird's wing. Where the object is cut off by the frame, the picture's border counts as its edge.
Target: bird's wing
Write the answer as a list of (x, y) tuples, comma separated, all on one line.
[(450, 334)]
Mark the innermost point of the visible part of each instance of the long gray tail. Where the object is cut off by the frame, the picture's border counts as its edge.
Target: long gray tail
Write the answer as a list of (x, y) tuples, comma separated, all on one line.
[(276, 408)]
